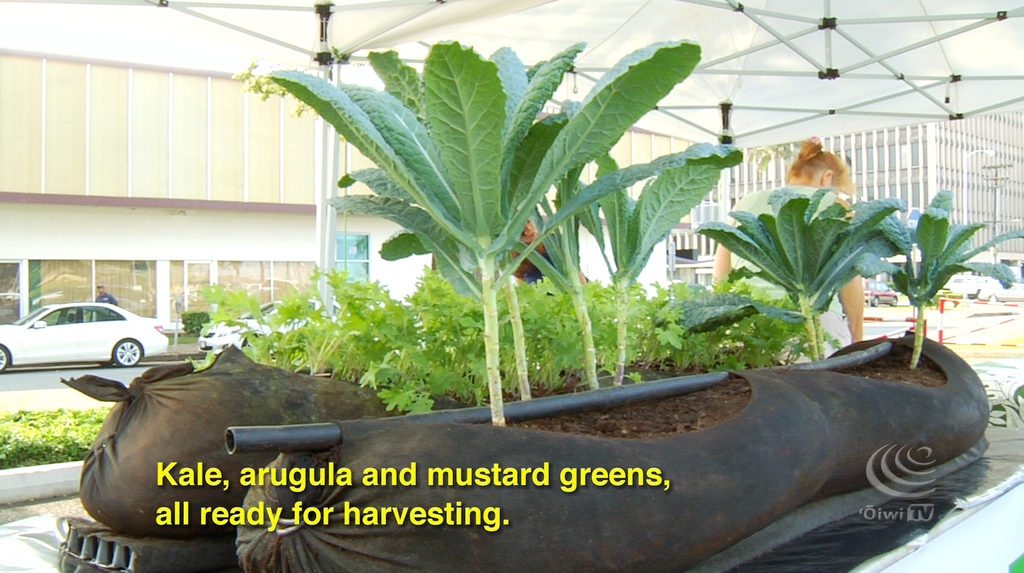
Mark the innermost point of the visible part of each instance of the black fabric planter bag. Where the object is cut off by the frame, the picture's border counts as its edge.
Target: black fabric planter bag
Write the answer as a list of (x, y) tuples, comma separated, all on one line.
[(805, 435), (169, 414)]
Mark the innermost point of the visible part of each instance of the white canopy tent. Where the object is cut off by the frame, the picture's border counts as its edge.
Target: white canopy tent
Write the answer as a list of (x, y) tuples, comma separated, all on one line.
[(772, 70)]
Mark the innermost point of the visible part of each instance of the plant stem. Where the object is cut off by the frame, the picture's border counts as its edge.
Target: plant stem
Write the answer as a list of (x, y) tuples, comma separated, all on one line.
[(491, 346), (918, 337), (519, 338), (621, 315), (819, 333), (812, 337), (589, 352)]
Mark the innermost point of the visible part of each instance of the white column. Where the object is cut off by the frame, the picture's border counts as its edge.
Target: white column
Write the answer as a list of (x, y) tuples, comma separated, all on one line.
[(23, 288), (164, 304)]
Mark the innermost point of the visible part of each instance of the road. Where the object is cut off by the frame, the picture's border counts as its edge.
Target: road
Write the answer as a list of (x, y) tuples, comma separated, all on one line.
[(43, 378), (967, 324)]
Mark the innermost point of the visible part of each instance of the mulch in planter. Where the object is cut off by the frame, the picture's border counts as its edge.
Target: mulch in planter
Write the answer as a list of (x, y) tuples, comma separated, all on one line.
[(706, 408), (896, 366)]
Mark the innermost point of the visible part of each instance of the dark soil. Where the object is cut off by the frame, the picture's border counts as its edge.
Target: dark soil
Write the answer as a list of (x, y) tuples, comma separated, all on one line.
[(706, 408), (687, 413), (896, 366)]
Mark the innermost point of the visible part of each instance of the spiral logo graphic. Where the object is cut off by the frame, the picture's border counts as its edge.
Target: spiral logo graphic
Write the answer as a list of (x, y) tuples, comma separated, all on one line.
[(901, 458)]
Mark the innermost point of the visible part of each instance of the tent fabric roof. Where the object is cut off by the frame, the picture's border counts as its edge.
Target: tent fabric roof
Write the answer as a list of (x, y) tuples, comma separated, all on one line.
[(789, 68)]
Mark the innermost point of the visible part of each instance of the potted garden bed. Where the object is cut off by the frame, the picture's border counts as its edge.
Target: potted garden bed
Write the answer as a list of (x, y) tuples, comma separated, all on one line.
[(775, 441)]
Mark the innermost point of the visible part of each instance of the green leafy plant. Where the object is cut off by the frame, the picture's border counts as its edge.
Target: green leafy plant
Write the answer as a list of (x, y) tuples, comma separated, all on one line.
[(430, 346), (262, 86), (301, 336), (562, 264), (810, 250), (934, 251), (660, 340), (636, 227), (449, 157), (30, 438), (725, 308), (444, 356)]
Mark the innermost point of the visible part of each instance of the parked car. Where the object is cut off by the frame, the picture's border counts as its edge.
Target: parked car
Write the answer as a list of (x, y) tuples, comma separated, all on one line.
[(80, 332), (221, 335), (971, 286), (877, 292), (1013, 294)]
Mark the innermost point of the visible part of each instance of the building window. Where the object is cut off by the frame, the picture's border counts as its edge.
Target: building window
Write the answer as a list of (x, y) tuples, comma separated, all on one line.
[(291, 276), (268, 281), (133, 284), (10, 292), (250, 276), (188, 278), (54, 282), (353, 255)]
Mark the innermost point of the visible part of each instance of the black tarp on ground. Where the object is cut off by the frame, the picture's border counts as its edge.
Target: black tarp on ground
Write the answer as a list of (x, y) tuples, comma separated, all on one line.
[(169, 414), (804, 436)]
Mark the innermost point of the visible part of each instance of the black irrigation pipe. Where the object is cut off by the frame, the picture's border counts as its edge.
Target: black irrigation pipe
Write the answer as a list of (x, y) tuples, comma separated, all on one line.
[(313, 437), (845, 361), (293, 438)]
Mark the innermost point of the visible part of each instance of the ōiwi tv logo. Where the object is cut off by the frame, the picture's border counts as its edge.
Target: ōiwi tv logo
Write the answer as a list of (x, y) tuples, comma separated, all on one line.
[(901, 472)]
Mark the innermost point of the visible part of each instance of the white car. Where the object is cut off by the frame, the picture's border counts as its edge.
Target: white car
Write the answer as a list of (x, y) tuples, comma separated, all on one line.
[(80, 332), (221, 335), (1013, 294), (972, 286)]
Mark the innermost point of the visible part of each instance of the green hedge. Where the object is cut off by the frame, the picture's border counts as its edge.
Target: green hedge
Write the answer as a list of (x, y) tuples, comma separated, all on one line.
[(193, 322), (32, 438)]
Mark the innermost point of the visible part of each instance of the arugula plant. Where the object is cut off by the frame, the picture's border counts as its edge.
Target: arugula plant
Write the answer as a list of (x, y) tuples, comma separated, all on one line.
[(935, 251), (431, 344), (810, 250), (447, 141)]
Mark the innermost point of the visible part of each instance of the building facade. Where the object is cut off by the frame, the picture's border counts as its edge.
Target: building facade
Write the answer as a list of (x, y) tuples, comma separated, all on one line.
[(978, 158), (158, 182)]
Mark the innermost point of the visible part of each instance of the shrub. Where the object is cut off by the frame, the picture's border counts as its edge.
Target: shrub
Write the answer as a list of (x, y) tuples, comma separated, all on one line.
[(30, 438), (193, 322)]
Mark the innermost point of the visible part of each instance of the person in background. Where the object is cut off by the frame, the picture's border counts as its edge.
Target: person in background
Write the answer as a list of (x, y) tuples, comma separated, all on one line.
[(527, 271), (813, 169), (103, 296)]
